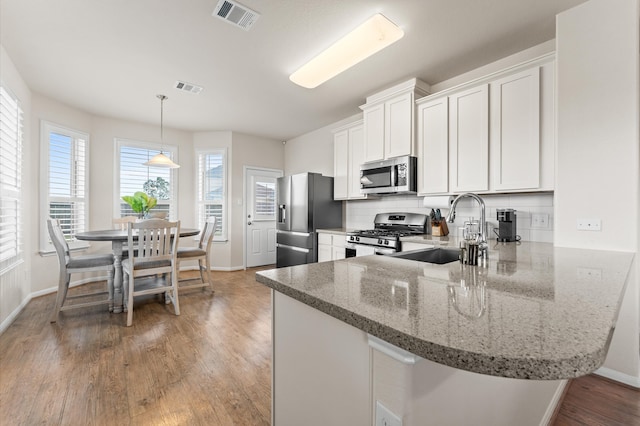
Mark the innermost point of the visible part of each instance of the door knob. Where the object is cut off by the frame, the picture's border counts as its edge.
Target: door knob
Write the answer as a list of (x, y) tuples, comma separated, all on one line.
[(249, 223)]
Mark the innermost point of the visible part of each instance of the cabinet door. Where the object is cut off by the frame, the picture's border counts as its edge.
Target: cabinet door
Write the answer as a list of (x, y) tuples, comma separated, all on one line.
[(469, 140), (338, 253), (515, 131), (325, 253), (356, 158), (341, 165), (374, 132), (399, 126), (433, 147)]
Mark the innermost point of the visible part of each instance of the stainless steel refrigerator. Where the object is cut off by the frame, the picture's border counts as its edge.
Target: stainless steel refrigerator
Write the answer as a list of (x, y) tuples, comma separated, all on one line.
[(305, 203)]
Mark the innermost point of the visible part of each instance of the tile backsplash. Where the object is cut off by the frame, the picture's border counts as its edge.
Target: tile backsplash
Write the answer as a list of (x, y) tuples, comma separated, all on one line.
[(361, 213)]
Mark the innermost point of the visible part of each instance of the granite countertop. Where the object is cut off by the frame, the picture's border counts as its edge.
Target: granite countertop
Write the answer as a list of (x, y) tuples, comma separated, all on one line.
[(535, 312)]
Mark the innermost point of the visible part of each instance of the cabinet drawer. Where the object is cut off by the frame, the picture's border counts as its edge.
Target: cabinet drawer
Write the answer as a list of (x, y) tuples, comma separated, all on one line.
[(324, 238)]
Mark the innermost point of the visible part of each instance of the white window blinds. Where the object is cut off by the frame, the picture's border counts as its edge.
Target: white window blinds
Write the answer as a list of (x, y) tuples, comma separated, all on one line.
[(154, 181), (212, 194), (66, 183), (10, 180)]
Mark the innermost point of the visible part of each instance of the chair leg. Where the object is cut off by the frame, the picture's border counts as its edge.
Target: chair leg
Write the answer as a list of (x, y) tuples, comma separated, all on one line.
[(110, 288), (208, 263), (174, 290), (63, 286), (200, 269), (130, 284)]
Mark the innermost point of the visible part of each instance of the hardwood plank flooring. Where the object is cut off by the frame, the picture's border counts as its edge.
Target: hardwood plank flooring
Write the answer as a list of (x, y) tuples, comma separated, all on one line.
[(209, 366)]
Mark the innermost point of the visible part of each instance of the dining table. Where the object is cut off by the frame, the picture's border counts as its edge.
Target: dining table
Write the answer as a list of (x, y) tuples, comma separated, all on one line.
[(118, 240)]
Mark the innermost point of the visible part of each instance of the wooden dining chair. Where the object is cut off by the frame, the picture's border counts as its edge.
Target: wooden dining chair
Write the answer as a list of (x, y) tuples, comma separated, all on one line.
[(201, 254), (121, 223), (153, 258), (75, 265)]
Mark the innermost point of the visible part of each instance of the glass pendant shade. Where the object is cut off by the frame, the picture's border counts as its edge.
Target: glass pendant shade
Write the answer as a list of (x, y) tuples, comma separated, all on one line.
[(161, 160)]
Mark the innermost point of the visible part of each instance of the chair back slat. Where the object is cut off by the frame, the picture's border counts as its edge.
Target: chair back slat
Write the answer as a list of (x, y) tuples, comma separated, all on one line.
[(154, 239), (121, 223), (58, 240), (207, 233)]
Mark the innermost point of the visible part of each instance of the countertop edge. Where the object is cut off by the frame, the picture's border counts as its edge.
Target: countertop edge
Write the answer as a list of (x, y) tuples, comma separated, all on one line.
[(516, 368)]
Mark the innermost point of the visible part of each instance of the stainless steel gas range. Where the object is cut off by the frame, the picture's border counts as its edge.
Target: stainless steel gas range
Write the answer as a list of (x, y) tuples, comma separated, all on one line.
[(384, 238)]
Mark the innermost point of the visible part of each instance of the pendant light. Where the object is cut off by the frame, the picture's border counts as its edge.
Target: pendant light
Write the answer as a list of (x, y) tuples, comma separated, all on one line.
[(161, 160)]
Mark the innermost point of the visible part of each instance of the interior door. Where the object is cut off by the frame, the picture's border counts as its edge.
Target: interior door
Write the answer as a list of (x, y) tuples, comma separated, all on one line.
[(261, 214)]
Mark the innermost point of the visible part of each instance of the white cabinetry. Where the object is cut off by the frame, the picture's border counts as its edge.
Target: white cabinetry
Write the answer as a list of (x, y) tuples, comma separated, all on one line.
[(433, 147), (348, 155), (389, 121), (499, 133), (515, 131), (469, 140), (330, 246)]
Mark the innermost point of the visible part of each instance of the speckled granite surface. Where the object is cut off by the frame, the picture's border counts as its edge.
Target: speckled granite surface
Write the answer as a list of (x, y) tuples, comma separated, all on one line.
[(535, 312)]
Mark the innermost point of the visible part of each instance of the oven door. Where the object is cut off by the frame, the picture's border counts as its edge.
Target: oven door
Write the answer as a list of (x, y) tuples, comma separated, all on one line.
[(356, 250)]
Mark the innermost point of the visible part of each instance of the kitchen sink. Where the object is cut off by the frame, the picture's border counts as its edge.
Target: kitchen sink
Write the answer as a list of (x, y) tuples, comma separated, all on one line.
[(438, 256)]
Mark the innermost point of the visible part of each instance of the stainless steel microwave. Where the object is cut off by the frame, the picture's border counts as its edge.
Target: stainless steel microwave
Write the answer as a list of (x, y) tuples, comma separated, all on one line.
[(393, 176)]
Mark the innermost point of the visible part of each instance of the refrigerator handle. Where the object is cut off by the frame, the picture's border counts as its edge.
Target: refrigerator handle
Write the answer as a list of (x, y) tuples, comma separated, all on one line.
[(282, 214)]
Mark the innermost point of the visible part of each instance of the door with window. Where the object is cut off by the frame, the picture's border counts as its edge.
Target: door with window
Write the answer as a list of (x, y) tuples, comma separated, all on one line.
[(260, 224)]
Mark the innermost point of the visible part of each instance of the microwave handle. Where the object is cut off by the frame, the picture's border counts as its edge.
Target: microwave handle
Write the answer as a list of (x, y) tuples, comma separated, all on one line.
[(394, 175)]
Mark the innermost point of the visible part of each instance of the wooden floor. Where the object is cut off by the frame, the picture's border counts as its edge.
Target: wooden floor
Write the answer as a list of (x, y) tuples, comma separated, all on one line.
[(209, 366)]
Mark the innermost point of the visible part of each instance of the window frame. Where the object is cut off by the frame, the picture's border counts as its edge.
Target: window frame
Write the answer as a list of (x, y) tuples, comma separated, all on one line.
[(224, 226), (13, 192), (173, 184), (46, 128)]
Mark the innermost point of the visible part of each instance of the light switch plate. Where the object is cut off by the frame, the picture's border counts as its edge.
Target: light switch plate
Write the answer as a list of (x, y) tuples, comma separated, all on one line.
[(589, 224), (384, 416)]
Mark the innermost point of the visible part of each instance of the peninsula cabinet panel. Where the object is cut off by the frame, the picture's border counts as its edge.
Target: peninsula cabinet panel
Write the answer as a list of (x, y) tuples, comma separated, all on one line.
[(469, 140), (515, 131), (433, 147), (374, 132)]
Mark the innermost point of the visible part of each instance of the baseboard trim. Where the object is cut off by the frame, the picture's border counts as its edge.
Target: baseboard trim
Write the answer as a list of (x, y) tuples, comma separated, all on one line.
[(556, 400), (617, 376), (12, 316)]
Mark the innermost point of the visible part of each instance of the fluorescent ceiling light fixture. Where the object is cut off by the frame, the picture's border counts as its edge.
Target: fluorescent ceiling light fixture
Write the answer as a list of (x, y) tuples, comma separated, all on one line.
[(372, 36)]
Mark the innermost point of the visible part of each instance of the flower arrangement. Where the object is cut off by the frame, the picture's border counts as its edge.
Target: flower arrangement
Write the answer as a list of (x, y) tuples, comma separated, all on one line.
[(140, 202)]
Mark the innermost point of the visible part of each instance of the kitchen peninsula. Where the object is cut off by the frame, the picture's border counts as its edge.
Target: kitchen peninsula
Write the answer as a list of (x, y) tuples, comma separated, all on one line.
[(535, 312)]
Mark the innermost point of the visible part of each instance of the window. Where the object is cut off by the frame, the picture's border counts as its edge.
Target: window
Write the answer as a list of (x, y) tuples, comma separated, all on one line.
[(264, 203), (133, 176), (10, 180), (212, 190), (64, 182)]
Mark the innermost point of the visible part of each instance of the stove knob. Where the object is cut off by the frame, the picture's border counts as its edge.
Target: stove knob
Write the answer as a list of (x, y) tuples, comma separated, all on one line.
[(386, 242), (380, 241), (357, 238)]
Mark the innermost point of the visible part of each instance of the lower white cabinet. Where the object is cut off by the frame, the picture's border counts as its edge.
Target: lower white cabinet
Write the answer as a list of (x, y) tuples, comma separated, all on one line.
[(330, 246), (348, 155)]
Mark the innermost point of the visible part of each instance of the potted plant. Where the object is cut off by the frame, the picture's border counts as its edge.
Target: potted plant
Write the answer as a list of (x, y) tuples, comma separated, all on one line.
[(140, 203)]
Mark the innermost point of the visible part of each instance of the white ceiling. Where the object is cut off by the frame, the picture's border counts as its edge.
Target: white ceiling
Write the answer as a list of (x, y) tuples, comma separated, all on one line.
[(111, 57)]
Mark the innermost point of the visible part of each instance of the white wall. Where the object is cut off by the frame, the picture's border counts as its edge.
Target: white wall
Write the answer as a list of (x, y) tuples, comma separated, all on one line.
[(598, 159), (313, 151), (15, 284)]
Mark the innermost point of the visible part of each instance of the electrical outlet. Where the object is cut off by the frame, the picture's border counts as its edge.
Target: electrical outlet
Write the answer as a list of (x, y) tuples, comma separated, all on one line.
[(539, 220), (589, 224), (384, 416)]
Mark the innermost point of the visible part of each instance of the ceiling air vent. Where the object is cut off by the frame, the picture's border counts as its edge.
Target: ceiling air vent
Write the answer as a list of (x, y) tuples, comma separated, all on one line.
[(236, 14), (188, 87)]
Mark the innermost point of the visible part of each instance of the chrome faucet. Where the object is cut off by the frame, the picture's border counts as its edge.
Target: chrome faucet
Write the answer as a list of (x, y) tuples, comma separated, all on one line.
[(483, 246)]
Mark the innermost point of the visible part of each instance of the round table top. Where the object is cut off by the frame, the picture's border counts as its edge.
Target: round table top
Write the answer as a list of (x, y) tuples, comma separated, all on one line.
[(123, 235)]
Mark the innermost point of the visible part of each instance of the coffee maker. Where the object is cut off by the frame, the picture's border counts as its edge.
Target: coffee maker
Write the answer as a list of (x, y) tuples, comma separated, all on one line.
[(507, 225)]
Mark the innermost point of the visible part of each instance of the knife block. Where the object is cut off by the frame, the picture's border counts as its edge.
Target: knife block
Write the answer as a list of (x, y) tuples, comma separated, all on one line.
[(439, 228)]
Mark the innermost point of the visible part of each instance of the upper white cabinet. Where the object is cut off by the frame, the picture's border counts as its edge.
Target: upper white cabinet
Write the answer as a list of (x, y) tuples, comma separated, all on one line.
[(469, 140), (498, 133), (348, 154), (389, 121), (433, 146), (515, 131)]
